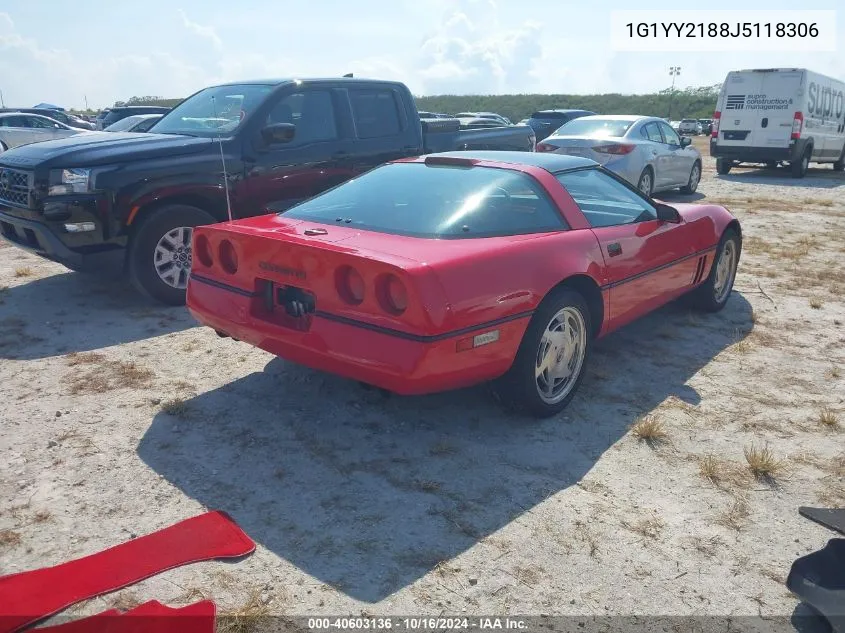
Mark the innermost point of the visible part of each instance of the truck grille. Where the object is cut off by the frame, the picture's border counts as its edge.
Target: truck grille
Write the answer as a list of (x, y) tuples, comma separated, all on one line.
[(14, 187)]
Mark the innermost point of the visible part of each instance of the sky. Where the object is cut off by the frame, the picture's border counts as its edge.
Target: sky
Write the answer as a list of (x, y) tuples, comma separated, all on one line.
[(66, 52)]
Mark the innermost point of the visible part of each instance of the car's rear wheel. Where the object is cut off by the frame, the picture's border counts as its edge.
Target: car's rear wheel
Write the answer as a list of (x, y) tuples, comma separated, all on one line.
[(723, 166), (646, 182), (694, 179), (713, 294), (160, 254), (552, 357), (799, 167), (839, 165)]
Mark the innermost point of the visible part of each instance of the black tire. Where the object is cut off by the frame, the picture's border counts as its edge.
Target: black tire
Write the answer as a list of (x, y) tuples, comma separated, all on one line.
[(799, 168), (723, 166), (694, 179), (705, 297), (518, 389), (641, 184), (839, 165), (142, 251), (771, 164), (3, 147)]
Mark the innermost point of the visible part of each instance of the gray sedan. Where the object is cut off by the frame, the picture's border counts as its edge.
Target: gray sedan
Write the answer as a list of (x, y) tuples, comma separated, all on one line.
[(645, 151), (17, 128)]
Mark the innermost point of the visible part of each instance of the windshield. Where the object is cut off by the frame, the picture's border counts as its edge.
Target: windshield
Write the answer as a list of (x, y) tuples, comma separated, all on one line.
[(436, 201), (213, 111), (595, 127)]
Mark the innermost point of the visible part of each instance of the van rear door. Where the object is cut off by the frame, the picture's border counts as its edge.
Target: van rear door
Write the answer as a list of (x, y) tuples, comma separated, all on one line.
[(758, 106)]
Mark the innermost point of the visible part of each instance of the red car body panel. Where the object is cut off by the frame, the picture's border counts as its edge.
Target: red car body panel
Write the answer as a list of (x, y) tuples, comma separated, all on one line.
[(456, 288)]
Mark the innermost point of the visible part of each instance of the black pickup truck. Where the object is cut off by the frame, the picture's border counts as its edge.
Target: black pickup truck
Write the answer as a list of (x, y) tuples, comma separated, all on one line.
[(125, 202)]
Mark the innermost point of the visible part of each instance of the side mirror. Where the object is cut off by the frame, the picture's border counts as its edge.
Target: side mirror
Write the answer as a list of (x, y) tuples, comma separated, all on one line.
[(685, 141), (278, 133), (665, 213)]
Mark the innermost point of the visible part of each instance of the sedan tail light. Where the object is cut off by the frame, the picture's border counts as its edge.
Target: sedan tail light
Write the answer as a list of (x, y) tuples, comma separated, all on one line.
[(228, 257), (615, 148), (203, 251), (392, 294), (350, 285)]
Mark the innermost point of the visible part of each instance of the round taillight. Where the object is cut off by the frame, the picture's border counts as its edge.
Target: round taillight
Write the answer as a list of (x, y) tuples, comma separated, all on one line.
[(350, 285), (393, 295), (202, 249), (228, 257)]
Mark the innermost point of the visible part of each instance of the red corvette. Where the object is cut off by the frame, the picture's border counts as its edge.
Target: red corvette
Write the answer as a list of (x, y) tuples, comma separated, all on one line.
[(443, 271)]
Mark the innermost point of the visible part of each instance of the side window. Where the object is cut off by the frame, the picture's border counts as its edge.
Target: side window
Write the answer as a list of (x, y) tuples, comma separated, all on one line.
[(375, 113), (672, 137), (35, 122), (605, 201), (311, 111), (651, 132)]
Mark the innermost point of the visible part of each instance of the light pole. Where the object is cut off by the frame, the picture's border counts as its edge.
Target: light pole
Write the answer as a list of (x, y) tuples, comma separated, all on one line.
[(674, 71)]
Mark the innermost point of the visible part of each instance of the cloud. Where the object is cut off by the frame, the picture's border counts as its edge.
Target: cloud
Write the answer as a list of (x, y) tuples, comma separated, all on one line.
[(471, 52), (200, 30)]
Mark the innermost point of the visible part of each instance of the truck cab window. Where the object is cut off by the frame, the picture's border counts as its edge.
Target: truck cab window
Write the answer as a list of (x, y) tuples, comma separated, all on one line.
[(311, 111), (375, 113)]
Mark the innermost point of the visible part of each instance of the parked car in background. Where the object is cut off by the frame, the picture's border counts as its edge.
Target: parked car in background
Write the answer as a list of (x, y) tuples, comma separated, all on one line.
[(544, 122), (484, 115), (134, 123), (18, 128), (689, 126), (424, 114), (68, 119), (706, 125), (775, 115), (674, 125), (130, 202), (643, 150), (113, 115), (479, 122)]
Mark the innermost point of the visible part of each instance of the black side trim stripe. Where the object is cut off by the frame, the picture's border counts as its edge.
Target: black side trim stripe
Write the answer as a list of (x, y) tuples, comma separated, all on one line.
[(650, 271), (421, 338), (222, 286), (408, 336)]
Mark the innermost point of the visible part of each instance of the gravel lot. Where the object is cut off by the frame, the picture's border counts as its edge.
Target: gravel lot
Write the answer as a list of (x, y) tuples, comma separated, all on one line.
[(123, 417)]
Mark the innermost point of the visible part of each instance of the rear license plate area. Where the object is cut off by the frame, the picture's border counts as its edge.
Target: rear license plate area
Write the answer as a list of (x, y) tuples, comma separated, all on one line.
[(285, 305)]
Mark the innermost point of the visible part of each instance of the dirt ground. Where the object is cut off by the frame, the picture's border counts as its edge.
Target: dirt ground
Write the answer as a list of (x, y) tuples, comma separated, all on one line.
[(123, 417)]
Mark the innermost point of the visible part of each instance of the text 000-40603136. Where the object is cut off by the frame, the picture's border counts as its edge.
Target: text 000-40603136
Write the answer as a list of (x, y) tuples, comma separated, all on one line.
[(723, 31)]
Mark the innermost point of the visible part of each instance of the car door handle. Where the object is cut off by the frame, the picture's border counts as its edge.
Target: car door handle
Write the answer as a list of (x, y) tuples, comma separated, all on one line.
[(614, 249)]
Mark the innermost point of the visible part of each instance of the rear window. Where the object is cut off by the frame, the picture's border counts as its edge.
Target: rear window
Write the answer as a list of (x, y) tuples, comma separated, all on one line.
[(436, 201), (596, 127)]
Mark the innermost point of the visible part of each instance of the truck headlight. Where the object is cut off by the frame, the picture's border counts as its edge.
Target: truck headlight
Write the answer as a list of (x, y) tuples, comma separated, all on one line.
[(65, 181)]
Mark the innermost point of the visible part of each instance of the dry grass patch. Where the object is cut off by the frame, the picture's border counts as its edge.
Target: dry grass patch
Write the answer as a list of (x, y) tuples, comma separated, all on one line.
[(763, 464), (649, 429), (816, 303), (101, 375), (708, 546), (9, 538), (177, 407), (828, 419), (649, 528), (24, 271), (831, 495), (735, 516)]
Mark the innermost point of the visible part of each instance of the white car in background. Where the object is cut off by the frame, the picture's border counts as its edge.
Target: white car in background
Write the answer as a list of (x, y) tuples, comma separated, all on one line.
[(643, 150), (689, 126), (18, 128)]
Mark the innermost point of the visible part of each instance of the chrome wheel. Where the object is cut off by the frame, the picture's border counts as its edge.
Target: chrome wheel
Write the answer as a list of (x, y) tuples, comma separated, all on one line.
[(694, 178), (560, 355), (725, 270), (645, 183), (172, 257)]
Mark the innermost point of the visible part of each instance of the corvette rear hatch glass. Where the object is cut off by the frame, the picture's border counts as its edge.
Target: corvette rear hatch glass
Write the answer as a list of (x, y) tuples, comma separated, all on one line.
[(436, 201)]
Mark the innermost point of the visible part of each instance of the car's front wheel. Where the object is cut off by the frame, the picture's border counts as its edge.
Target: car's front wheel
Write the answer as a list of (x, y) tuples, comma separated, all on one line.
[(694, 179), (712, 295), (160, 254), (552, 357)]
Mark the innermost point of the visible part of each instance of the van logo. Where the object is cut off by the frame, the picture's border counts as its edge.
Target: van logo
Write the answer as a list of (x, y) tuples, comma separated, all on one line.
[(735, 102), (282, 270)]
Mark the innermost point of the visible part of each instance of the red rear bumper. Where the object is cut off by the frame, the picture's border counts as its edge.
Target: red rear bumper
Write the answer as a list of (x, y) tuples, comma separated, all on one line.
[(404, 364)]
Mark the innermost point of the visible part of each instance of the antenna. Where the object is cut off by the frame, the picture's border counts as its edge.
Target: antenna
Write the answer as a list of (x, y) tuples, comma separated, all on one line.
[(223, 161)]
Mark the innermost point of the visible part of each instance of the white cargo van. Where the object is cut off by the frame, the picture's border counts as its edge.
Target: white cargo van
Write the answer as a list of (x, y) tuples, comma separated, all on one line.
[(779, 115)]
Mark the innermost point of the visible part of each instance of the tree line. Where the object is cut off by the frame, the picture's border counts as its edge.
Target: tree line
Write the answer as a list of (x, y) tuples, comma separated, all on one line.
[(696, 103)]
